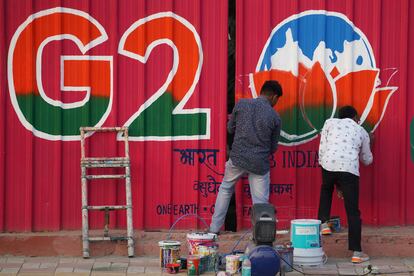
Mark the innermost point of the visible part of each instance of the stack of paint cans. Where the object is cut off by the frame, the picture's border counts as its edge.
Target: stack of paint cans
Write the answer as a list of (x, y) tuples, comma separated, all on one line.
[(203, 249)]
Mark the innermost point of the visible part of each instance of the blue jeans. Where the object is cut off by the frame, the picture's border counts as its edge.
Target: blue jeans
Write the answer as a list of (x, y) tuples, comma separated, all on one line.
[(259, 189)]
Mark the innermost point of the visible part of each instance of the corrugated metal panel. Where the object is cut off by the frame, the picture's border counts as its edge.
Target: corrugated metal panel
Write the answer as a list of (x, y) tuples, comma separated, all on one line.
[(183, 54), (353, 40)]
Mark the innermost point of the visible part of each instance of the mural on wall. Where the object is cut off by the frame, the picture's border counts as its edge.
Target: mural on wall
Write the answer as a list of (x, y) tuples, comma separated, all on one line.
[(325, 55), (323, 62), (161, 117), (140, 64)]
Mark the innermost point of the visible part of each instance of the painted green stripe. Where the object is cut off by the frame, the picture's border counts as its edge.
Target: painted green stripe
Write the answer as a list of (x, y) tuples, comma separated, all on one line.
[(57, 121), (157, 120), (293, 122)]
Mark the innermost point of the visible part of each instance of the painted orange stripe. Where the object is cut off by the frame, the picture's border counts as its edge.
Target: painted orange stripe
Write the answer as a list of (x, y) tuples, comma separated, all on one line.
[(24, 58), (183, 38)]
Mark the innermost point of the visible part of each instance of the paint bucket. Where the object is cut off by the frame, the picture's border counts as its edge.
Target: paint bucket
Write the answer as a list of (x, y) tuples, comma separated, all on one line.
[(286, 257), (232, 264), (196, 239), (209, 257), (193, 265), (306, 240), (335, 224), (169, 252)]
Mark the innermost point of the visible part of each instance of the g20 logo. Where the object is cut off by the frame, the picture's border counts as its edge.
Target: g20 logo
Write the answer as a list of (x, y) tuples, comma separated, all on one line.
[(323, 62), (161, 117)]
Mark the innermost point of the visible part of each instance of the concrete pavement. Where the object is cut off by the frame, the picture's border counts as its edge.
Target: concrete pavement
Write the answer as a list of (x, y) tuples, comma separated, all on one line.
[(124, 266)]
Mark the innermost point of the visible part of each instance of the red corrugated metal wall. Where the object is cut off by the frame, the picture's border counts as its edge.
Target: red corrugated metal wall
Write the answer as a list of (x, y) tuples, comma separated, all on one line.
[(160, 68), (327, 54), (157, 66)]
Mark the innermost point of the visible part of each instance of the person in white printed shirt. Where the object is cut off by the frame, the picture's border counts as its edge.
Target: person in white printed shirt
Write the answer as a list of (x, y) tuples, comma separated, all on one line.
[(343, 144)]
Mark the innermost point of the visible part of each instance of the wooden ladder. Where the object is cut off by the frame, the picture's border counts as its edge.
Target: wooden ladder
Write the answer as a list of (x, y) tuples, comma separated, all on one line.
[(105, 162)]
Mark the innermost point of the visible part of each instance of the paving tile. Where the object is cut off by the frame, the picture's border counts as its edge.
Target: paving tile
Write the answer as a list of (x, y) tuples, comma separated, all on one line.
[(101, 269), (72, 274), (114, 259), (81, 270), (31, 265), (346, 271), (64, 269), (293, 273), (10, 270), (39, 270), (386, 261), (8, 273), (85, 261), (15, 260), (396, 274), (136, 269), (97, 265), (94, 273), (118, 269), (328, 266), (321, 271), (11, 265), (408, 261), (63, 260), (72, 265), (36, 273), (48, 265), (152, 269), (345, 265), (119, 265), (145, 261), (41, 260), (83, 266)]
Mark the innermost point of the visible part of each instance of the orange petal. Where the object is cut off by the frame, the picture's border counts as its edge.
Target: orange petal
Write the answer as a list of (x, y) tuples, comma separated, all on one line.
[(287, 80), (355, 89), (379, 105), (316, 97)]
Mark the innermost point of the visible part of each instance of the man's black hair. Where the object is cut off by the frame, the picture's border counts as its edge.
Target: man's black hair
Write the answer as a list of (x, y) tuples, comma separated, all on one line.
[(347, 112), (271, 88)]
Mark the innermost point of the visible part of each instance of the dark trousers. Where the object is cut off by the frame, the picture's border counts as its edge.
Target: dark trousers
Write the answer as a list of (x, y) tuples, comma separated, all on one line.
[(348, 183)]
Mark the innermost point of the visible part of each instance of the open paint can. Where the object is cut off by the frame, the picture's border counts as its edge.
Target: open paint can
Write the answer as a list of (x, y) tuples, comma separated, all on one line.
[(169, 252), (205, 240)]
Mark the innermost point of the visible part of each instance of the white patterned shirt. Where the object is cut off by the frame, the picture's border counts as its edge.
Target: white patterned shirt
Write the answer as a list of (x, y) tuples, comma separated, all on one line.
[(343, 144)]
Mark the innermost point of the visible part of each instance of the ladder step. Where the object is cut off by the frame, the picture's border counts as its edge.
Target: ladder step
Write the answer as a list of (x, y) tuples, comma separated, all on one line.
[(104, 159), (108, 207), (103, 129), (108, 238), (103, 162), (105, 165), (106, 176)]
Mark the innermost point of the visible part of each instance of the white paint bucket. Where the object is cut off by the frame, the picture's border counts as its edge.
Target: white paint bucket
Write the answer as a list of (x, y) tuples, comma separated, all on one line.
[(306, 240)]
